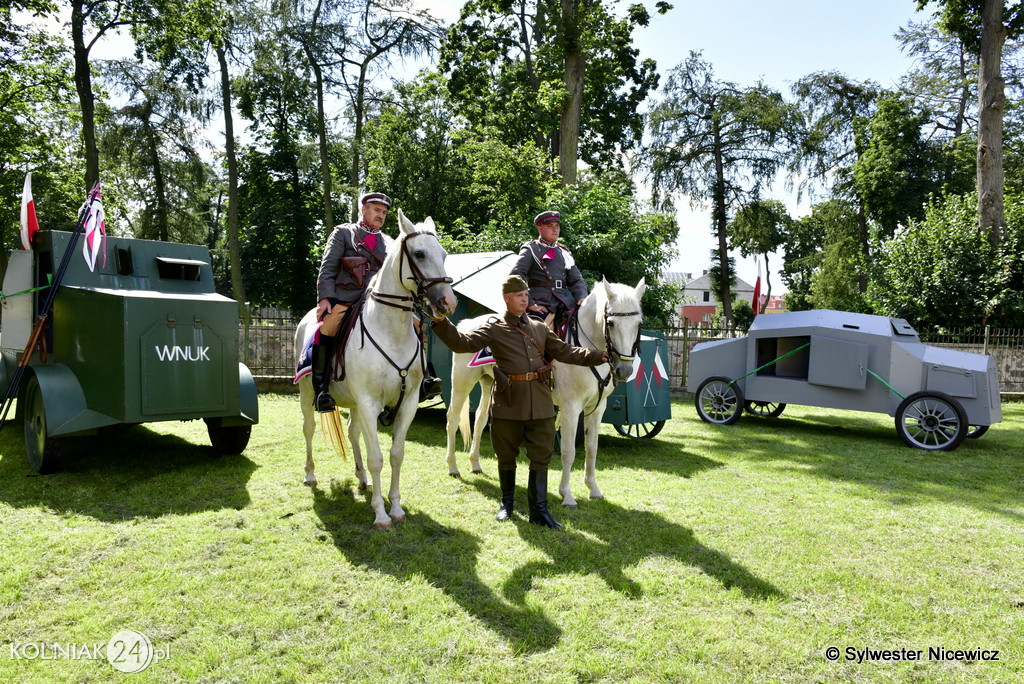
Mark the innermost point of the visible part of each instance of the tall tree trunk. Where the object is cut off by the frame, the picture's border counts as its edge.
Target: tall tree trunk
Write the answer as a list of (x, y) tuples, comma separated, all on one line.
[(321, 131), (83, 84), (575, 67), (159, 186), (234, 253), (719, 217), (569, 130), (991, 102), (357, 140)]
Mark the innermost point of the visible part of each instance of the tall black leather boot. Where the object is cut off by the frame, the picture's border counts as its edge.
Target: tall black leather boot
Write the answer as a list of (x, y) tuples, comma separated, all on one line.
[(322, 353), (537, 496), (507, 478)]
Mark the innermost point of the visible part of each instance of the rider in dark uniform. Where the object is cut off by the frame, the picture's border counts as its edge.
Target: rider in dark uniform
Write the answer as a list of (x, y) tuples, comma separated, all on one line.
[(354, 253), (523, 412), (556, 286)]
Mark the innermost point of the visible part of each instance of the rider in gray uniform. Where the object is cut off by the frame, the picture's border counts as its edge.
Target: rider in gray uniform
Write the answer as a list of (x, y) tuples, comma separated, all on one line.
[(556, 286)]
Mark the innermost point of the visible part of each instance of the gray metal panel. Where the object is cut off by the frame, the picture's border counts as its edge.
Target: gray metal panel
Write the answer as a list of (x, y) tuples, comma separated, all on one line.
[(837, 363), (723, 357), (19, 311), (956, 382)]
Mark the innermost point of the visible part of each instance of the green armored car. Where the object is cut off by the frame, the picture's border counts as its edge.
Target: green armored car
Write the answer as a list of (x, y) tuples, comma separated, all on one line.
[(142, 338)]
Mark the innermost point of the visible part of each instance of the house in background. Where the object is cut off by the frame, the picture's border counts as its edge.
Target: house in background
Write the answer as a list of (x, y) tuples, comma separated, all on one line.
[(698, 300)]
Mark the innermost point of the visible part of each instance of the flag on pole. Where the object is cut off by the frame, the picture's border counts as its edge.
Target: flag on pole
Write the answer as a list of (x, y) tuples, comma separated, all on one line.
[(95, 229), (29, 223), (756, 300)]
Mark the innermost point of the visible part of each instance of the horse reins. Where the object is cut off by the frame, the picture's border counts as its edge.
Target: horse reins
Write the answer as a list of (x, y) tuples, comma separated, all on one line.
[(422, 285), (602, 383)]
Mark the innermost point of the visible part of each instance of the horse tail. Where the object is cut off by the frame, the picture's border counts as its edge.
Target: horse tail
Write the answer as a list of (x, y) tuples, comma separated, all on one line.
[(467, 436)]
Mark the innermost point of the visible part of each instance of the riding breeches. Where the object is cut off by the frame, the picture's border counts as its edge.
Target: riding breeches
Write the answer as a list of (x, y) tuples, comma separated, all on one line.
[(537, 435), (331, 322)]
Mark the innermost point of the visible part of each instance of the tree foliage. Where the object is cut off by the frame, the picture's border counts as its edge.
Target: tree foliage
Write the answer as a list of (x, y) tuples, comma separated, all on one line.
[(718, 144), (937, 272)]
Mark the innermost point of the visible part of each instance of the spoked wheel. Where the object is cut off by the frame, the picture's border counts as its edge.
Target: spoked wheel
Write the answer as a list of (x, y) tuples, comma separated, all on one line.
[(976, 431), (42, 452), (718, 402), (931, 420), (644, 430), (231, 439), (766, 409)]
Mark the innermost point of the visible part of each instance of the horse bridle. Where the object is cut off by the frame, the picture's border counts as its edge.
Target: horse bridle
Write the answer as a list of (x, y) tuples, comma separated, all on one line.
[(422, 283), (610, 348), (608, 338)]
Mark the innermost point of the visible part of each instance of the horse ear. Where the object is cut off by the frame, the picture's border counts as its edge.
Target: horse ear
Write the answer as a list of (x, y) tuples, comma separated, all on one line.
[(603, 285), (405, 224), (640, 288), (428, 223)]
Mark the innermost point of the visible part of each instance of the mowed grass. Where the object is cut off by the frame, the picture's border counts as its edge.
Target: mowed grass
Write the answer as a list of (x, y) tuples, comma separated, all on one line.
[(721, 554)]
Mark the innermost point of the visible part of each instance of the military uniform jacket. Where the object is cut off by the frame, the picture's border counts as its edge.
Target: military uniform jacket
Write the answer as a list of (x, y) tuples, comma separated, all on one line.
[(348, 240), (552, 281), (527, 399)]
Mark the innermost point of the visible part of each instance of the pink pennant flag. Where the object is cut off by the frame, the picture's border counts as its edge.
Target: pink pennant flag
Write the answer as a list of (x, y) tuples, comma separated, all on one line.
[(95, 230), (29, 223)]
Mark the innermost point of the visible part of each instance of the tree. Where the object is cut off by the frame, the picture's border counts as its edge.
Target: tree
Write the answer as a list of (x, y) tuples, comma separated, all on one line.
[(386, 30), (831, 107), (421, 152), (984, 26), (939, 273), (570, 63), (896, 169), (156, 142), (38, 124), (760, 228), (718, 144)]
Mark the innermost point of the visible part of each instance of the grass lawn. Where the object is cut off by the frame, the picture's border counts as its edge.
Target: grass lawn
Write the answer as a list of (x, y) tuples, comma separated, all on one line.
[(721, 554)]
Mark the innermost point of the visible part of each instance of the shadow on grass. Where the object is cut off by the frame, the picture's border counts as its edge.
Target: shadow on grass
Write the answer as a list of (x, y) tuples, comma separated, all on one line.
[(445, 557), (865, 449), (604, 539), (664, 453), (125, 473)]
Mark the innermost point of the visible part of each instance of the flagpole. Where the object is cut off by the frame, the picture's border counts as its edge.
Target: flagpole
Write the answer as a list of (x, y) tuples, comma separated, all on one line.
[(44, 312)]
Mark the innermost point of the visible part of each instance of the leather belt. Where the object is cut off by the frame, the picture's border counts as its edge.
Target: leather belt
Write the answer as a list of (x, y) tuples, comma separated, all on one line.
[(543, 375)]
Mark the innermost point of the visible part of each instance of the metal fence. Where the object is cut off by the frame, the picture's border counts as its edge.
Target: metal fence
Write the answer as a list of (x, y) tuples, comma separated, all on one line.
[(268, 348)]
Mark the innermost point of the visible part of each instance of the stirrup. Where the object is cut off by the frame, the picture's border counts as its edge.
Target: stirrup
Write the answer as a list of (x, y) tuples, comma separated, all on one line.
[(430, 388), (324, 402), (387, 416)]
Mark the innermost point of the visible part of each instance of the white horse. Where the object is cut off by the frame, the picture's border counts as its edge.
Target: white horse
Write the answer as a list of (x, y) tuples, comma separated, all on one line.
[(608, 320), (382, 357)]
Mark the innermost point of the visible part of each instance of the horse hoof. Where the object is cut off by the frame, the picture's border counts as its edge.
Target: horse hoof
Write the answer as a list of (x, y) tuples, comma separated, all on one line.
[(382, 525), (572, 505), (398, 519), (310, 481), (478, 471), (363, 486), (597, 496)]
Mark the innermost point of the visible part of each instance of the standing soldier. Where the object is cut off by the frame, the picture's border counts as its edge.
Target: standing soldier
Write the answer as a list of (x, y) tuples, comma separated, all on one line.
[(556, 286), (522, 410)]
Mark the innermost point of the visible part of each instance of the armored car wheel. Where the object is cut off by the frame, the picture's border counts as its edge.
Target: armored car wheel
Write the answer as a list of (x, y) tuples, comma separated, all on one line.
[(931, 420), (976, 431), (228, 439), (718, 402), (644, 430), (767, 409), (42, 452)]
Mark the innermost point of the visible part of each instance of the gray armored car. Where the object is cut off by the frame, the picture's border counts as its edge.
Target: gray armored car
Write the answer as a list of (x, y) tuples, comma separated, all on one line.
[(859, 362)]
